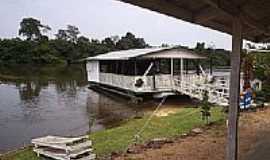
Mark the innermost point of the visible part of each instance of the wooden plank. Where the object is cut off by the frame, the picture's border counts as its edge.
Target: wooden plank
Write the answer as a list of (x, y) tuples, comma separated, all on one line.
[(172, 67), (172, 70), (90, 157), (232, 145), (57, 142), (182, 71), (79, 146), (80, 152), (61, 155)]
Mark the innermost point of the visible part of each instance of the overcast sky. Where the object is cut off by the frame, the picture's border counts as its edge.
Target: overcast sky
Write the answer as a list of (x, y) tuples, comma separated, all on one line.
[(103, 18)]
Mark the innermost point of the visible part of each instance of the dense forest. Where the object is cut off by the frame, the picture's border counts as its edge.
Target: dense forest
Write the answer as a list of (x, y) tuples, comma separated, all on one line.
[(68, 45)]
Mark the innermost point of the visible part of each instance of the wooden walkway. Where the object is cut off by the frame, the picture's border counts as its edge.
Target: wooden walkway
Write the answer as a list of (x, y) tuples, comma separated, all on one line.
[(195, 86)]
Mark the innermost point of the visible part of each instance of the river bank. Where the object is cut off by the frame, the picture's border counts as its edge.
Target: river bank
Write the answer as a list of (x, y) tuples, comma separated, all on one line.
[(118, 139), (253, 142), (35, 101), (182, 144)]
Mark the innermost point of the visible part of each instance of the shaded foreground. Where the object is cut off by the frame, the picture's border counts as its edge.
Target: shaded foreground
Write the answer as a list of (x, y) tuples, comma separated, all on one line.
[(119, 138), (211, 144)]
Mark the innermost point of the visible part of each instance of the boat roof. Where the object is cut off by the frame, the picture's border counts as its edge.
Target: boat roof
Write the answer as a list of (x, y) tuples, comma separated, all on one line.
[(149, 53)]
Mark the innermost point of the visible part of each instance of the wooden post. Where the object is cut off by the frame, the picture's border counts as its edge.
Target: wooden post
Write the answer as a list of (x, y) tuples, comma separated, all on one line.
[(197, 67), (211, 61), (186, 66), (135, 67), (232, 141), (154, 75), (171, 72), (122, 67), (182, 71), (172, 67), (179, 67)]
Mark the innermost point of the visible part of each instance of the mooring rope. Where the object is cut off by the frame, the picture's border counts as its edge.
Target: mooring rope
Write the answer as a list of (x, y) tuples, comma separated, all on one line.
[(137, 135)]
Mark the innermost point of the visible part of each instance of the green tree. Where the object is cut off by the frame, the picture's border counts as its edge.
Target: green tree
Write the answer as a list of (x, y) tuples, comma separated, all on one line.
[(44, 54), (96, 47), (165, 45), (83, 47), (109, 43), (62, 35), (32, 28), (72, 33), (129, 41), (16, 51), (206, 107), (64, 49), (115, 38), (247, 67), (67, 46), (262, 72), (200, 47)]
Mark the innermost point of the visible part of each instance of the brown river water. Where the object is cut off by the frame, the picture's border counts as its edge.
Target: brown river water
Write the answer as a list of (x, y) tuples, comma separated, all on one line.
[(39, 101)]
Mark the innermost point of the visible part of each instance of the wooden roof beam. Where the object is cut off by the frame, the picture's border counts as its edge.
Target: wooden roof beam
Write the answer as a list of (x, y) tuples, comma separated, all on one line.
[(226, 7), (163, 6), (206, 15), (229, 8), (262, 38), (220, 26), (254, 24)]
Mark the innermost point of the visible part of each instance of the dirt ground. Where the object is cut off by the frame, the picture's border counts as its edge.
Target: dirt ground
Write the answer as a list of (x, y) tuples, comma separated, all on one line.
[(210, 145)]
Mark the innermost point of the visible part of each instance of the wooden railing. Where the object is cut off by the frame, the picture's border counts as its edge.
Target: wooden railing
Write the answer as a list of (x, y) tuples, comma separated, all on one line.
[(190, 84), (121, 81), (195, 86), (162, 82)]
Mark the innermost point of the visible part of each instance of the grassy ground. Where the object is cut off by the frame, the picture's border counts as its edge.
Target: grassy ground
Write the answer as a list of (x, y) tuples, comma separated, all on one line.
[(119, 138), (26, 154)]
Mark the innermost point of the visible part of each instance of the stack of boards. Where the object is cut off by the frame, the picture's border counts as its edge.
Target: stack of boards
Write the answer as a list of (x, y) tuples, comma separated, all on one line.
[(62, 148)]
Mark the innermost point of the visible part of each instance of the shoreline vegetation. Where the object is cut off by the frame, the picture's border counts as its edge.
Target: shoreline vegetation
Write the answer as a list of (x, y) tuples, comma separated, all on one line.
[(68, 46), (27, 72), (118, 139)]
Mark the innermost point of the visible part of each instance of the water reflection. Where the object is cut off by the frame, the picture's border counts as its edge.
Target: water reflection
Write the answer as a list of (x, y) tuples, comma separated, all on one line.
[(29, 90), (40, 101), (108, 111)]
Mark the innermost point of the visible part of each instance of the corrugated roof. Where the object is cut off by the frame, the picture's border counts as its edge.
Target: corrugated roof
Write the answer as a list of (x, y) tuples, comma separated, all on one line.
[(175, 53), (156, 52)]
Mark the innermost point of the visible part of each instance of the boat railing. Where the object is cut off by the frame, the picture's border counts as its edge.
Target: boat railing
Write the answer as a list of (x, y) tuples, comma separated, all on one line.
[(195, 86), (158, 83), (121, 81), (190, 84)]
